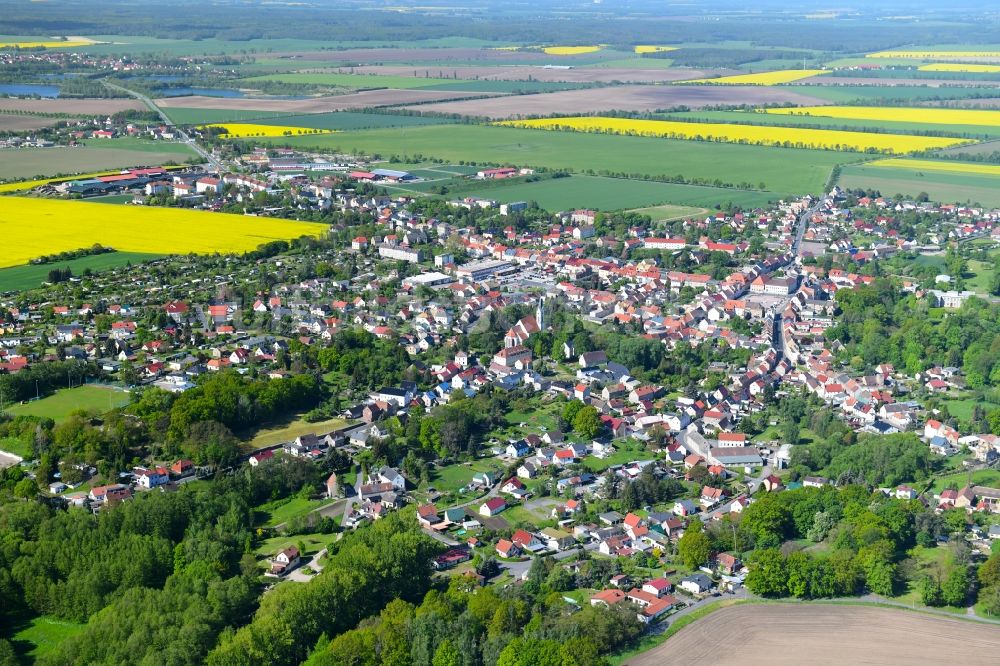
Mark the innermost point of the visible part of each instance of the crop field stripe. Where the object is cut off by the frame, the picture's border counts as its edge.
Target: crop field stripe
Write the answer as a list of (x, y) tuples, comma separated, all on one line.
[(925, 115), (242, 130), (959, 67), (930, 55), (935, 165), (350, 120), (754, 134), (763, 78)]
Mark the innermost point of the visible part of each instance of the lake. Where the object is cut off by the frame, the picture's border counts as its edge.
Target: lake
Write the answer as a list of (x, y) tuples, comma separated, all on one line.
[(28, 90), (207, 92)]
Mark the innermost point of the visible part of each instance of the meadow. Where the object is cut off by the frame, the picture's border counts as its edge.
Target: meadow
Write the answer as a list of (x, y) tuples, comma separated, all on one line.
[(22, 163), (34, 227), (62, 403), (923, 115), (19, 278), (244, 130), (617, 193), (763, 78), (939, 186), (780, 171), (750, 134)]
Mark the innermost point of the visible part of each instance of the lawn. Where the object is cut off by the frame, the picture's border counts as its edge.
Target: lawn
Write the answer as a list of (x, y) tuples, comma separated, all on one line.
[(962, 409), (452, 477), (782, 171), (32, 227), (616, 193), (278, 434), (38, 636), (983, 477), (25, 163), (313, 544), (626, 451), (939, 186), (669, 212), (19, 278), (17, 447), (91, 397), (281, 511)]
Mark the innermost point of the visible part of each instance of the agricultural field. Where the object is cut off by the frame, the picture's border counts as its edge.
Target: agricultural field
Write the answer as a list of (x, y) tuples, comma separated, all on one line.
[(571, 50), (959, 67), (244, 130), (633, 70), (938, 185), (648, 48), (855, 634), (934, 54), (616, 194), (19, 278), (764, 78), (361, 100), (624, 98), (70, 107), (14, 123), (780, 171), (34, 227), (354, 81), (51, 44), (861, 91), (947, 166), (746, 134), (59, 405), (22, 163), (922, 115), (18, 186), (183, 116), (352, 120)]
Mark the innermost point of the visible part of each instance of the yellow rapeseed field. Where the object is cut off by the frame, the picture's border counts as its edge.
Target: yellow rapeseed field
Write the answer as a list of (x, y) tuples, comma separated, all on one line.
[(69, 44), (764, 135), (763, 78), (925, 115), (932, 55), (939, 165), (649, 48), (245, 130), (959, 67), (34, 227), (570, 50)]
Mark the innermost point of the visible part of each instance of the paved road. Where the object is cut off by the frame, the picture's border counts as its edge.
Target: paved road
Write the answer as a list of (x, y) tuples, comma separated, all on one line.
[(518, 569), (215, 164), (438, 536)]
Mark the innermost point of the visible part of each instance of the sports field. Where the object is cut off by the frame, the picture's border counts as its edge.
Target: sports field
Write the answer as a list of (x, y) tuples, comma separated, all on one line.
[(828, 634), (749, 134), (19, 278), (782, 171), (35, 227), (60, 404)]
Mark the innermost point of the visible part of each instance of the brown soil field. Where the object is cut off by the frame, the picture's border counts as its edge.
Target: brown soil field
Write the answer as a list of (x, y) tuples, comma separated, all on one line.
[(14, 123), (361, 100), (825, 634), (83, 107), (866, 81), (523, 73), (379, 56), (626, 98)]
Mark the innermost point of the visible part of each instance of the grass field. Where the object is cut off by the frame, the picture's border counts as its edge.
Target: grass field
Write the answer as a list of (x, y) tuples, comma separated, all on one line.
[(24, 163), (34, 638), (313, 544), (19, 278), (183, 116), (745, 134), (962, 409), (34, 227), (669, 212), (617, 193), (352, 120), (922, 115), (281, 511), (452, 477), (369, 81), (848, 94), (939, 186), (783, 171), (287, 432), (983, 477), (60, 404), (17, 447)]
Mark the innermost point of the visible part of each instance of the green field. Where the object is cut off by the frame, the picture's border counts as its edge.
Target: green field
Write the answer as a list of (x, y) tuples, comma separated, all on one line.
[(616, 193), (452, 477), (352, 120), (183, 116), (26, 163), (820, 122), (60, 404), (983, 477), (868, 93), (20, 278), (423, 81), (34, 638), (939, 186), (281, 511), (962, 409), (669, 212), (783, 171), (286, 432)]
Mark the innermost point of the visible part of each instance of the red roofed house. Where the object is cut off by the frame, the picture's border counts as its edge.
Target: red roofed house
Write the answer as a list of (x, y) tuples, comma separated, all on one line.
[(492, 506)]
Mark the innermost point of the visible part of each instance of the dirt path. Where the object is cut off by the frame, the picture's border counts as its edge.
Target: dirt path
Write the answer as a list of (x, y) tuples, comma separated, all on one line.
[(824, 634)]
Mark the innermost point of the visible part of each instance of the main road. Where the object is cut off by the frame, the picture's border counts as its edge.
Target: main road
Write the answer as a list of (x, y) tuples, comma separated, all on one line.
[(214, 163)]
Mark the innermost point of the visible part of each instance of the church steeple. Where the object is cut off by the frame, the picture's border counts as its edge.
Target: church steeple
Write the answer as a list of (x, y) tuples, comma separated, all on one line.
[(540, 313)]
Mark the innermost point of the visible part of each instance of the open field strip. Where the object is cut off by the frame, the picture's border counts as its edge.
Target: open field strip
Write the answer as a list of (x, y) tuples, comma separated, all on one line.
[(940, 186), (938, 165), (751, 134), (649, 48), (763, 78), (959, 67), (35, 227), (243, 130), (931, 55), (52, 44), (929, 116), (571, 50)]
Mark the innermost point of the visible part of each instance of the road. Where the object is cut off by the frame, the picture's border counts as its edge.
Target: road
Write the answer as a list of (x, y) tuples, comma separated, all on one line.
[(518, 569), (347, 493), (300, 576), (207, 156)]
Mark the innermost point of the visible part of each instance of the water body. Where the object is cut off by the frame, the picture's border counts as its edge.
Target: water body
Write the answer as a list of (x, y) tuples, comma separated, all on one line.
[(28, 90), (165, 78), (207, 92)]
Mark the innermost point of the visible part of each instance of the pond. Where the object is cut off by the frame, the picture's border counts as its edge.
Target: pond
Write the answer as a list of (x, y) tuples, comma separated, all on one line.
[(28, 90)]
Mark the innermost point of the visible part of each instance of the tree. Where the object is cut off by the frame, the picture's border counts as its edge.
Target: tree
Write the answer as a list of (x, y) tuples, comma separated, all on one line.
[(587, 422), (955, 589), (768, 520), (447, 655), (930, 592), (694, 547), (768, 576), (630, 497)]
